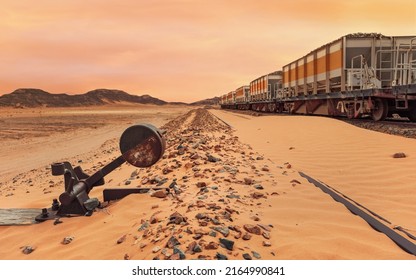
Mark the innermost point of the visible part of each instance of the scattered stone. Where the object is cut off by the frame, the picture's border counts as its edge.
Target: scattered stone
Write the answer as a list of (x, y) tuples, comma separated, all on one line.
[(246, 236), (156, 249), (252, 229), (121, 239), (201, 184), (144, 226), (128, 182), (267, 243), (247, 256), (27, 250), (266, 227), (259, 158), (399, 155), (126, 257), (266, 234), (211, 246), (201, 216), (265, 168), (228, 244), (256, 255), (223, 230), (219, 256), (182, 255), (213, 159), (159, 194), (257, 195), (258, 187), (248, 181), (67, 240), (172, 242), (295, 182), (176, 219), (255, 218)]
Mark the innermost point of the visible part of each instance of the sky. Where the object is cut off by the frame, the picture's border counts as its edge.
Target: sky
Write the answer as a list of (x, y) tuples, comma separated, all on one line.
[(178, 50)]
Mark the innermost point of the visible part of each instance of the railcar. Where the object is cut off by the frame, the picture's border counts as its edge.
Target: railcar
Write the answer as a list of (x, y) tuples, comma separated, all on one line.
[(362, 74)]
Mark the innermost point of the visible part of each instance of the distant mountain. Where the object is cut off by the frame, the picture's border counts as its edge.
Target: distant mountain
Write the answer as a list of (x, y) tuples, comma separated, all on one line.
[(30, 97), (209, 101)]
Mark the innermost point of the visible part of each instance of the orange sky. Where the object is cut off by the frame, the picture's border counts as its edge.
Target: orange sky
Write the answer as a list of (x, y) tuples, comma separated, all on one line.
[(180, 50)]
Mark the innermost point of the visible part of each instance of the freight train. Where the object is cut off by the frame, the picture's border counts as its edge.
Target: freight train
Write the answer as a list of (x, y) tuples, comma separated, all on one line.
[(357, 75)]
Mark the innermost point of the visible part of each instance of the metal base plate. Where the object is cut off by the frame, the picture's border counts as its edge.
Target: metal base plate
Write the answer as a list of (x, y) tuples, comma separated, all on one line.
[(18, 216)]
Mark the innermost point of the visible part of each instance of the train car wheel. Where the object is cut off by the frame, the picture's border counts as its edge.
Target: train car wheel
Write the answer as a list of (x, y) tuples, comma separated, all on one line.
[(380, 110)]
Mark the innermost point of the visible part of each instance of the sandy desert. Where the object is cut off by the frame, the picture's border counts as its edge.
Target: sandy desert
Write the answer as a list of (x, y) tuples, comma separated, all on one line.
[(235, 189)]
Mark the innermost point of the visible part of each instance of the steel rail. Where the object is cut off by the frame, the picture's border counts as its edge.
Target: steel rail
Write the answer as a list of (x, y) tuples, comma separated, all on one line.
[(401, 241)]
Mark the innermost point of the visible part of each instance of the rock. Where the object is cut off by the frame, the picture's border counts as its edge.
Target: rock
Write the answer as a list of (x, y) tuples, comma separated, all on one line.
[(219, 256), (172, 242), (228, 244), (27, 249), (232, 196), (252, 229), (154, 219), (265, 168), (67, 240), (211, 246), (176, 219), (399, 155), (126, 257), (267, 243), (201, 216), (259, 158), (213, 159), (257, 195), (246, 236), (194, 247), (128, 182), (258, 187), (121, 239), (266, 227), (182, 255), (224, 230), (256, 255), (255, 218), (248, 181), (266, 234), (159, 194), (247, 256), (295, 181), (144, 226), (156, 249), (201, 184)]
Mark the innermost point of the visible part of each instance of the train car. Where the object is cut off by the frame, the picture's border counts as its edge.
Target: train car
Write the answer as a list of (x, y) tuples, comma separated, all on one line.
[(223, 100), (263, 91), (231, 99), (242, 98), (362, 74), (355, 75)]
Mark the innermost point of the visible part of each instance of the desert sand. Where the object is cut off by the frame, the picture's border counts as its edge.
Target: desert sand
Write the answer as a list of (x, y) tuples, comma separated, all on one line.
[(235, 190)]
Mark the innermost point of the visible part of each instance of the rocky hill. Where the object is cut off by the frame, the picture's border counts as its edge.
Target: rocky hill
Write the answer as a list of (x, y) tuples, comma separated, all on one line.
[(29, 97), (209, 101)]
